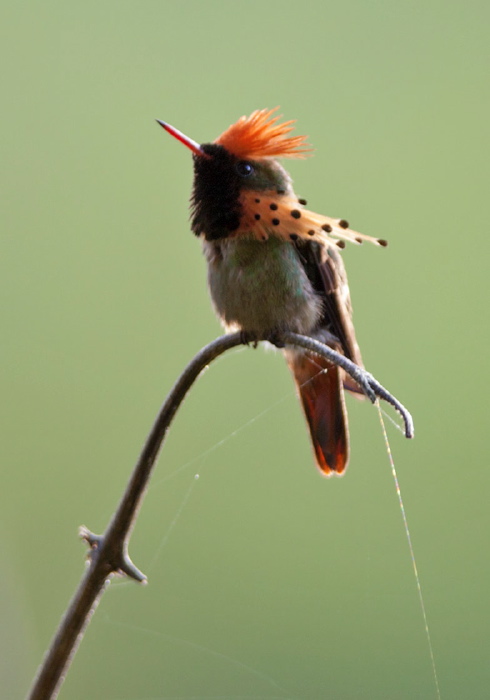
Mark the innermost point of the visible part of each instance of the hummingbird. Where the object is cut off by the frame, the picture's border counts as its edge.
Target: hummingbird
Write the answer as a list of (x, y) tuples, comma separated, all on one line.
[(274, 265)]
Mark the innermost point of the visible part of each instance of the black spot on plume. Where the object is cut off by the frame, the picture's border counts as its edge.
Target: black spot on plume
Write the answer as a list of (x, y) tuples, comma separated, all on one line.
[(216, 210)]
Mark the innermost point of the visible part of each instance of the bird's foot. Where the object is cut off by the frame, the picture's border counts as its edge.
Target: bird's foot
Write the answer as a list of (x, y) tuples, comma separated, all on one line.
[(249, 338), (276, 340)]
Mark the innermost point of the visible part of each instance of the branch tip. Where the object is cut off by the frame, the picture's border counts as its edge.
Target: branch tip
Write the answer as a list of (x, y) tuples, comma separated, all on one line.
[(89, 537), (129, 569)]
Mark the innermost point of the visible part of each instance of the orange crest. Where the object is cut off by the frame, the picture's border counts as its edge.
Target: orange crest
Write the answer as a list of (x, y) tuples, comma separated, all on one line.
[(260, 136)]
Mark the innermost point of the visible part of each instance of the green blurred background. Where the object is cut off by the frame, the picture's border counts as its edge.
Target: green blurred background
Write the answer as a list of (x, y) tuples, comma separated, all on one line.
[(265, 580)]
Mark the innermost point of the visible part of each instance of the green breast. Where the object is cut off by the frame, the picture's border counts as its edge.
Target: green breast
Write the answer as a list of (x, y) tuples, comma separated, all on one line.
[(261, 286)]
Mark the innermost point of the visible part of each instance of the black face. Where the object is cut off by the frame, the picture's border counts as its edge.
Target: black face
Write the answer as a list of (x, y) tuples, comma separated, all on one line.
[(216, 210), (218, 181)]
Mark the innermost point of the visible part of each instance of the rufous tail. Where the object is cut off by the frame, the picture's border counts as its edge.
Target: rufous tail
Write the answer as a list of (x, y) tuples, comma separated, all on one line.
[(320, 386)]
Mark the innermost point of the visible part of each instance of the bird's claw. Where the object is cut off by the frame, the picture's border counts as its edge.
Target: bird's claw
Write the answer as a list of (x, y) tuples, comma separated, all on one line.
[(249, 338), (365, 384), (276, 340)]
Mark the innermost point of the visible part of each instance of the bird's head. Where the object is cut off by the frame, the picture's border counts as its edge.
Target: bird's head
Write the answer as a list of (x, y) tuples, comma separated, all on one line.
[(243, 160)]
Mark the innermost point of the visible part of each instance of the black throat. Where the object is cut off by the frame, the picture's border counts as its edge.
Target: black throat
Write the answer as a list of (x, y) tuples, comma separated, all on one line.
[(215, 205)]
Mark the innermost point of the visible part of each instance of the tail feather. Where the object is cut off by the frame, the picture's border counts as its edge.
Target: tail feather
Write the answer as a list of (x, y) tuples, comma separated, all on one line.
[(323, 402)]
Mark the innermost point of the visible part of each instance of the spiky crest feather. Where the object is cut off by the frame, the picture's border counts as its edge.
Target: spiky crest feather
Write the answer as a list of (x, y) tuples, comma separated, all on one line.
[(260, 136)]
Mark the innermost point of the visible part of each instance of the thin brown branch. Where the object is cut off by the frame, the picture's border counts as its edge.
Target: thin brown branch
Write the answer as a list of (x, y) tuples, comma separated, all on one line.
[(109, 552)]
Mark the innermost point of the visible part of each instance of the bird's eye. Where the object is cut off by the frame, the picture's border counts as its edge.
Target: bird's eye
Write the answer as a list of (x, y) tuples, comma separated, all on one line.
[(244, 168)]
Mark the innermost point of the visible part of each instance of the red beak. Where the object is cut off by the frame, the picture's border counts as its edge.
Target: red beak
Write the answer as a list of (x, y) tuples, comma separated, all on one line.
[(193, 145)]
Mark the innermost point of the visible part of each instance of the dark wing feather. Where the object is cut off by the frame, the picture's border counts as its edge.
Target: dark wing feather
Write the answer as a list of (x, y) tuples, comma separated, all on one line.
[(326, 271)]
